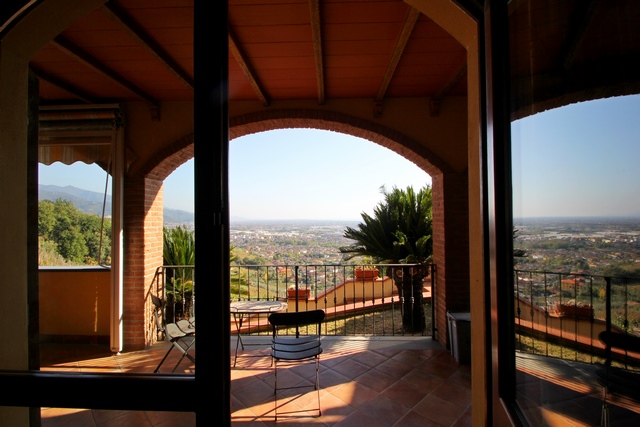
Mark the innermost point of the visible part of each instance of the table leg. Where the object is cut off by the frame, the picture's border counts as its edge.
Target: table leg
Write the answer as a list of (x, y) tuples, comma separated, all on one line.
[(239, 337)]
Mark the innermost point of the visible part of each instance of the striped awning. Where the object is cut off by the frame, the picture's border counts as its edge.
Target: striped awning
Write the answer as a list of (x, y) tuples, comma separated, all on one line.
[(78, 134)]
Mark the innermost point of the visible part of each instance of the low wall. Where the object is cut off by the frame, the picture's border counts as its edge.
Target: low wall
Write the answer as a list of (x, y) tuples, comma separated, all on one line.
[(349, 292), (74, 304), (551, 325)]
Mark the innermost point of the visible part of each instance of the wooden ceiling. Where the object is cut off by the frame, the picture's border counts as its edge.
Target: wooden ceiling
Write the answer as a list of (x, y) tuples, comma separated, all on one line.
[(279, 50), (320, 50)]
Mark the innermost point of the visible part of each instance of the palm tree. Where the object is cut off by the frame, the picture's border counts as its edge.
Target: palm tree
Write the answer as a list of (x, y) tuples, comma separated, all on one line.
[(399, 232), (518, 253), (178, 250)]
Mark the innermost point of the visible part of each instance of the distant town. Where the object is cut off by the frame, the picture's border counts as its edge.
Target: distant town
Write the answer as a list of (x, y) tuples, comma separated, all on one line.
[(597, 246), (590, 245), (288, 242)]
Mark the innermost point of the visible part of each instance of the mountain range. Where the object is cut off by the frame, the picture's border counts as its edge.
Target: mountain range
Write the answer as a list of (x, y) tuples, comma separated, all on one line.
[(92, 202)]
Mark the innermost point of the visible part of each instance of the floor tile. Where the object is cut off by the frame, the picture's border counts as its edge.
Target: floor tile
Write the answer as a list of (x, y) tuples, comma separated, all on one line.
[(374, 383)]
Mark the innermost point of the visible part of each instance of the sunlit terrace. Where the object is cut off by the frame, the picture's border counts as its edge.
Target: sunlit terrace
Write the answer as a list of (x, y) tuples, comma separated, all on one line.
[(372, 370)]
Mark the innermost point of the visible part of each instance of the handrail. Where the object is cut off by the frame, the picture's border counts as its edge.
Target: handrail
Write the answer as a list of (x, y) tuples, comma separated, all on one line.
[(340, 289), (561, 314)]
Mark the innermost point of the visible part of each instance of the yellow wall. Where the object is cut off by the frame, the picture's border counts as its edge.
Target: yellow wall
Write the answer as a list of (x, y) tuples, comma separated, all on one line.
[(74, 303), (562, 327), (349, 290)]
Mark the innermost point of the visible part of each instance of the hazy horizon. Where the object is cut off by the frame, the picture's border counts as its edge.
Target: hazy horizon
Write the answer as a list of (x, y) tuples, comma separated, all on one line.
[(356, 220), (575, 161)]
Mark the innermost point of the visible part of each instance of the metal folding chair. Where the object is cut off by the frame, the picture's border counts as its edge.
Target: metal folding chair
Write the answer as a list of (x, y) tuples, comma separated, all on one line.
[(289, 346), (617, 380), (185, 343), (181, 335)]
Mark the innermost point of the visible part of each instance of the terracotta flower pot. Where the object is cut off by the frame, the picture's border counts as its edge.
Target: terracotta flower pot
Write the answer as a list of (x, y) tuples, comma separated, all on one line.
[(571, 310), (303, 294), (366, 273)]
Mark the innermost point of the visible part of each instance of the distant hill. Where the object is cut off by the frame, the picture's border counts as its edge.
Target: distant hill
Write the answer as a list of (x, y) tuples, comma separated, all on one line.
[(91, 202)]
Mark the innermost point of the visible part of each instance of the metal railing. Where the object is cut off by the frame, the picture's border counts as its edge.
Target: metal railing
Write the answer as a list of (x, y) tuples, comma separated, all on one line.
[(357, 299), (556, 314), (561, 314)]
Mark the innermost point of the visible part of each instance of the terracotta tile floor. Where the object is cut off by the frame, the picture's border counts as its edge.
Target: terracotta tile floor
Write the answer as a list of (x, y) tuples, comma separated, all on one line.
[(391, 381), (372, 382), (554, 392)]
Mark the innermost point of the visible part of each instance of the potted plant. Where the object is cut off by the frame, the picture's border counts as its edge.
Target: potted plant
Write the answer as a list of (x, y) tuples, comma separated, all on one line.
[(576, 310), (366, 273), (301, 294), (399, 232)]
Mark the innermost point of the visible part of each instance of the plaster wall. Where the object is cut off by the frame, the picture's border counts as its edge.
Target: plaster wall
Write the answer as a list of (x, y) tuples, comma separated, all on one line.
[(74, 305), (465, 29), (16, 47)]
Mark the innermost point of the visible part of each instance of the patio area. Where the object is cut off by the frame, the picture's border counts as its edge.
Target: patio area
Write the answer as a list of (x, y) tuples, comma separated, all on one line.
[(372, 381), (382, 381)]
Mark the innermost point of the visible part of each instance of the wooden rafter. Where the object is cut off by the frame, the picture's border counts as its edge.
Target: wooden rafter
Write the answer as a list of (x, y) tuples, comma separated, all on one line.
[(409, 23), (132, 28), (67, 87), (246, 68), (436, 101), (75, 52), (316, 32), (576, 37)]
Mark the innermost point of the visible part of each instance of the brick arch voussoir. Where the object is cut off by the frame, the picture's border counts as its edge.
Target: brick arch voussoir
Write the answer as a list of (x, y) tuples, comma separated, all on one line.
[(408, 148), (165, 161)]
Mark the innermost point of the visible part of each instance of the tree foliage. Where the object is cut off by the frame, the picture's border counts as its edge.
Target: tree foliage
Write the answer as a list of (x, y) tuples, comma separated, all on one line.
[(518, 252), (399, 231), (178, 246), (76, 237)]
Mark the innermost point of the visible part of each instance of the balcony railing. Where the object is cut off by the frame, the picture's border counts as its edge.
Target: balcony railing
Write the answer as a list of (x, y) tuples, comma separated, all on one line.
[(561, 314), (358, 299), (556, 314)]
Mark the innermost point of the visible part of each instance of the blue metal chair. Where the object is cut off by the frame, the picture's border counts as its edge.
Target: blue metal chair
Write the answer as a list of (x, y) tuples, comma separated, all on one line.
[(289, 347)]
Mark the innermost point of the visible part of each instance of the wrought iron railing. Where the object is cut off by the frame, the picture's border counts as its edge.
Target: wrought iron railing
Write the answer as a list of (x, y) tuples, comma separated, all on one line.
[(561, 314), (358, 299), (556, 314)]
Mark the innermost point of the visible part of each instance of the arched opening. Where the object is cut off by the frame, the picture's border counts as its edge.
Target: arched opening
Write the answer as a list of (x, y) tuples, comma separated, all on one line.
[(450, 211), (576, 209), (148, 184)]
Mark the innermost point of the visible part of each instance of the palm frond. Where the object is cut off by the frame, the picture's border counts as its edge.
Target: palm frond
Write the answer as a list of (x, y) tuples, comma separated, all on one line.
[(399, 230)]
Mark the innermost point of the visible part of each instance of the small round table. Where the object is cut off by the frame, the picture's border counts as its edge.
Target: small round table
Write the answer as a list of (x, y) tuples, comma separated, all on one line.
[(242, 309)]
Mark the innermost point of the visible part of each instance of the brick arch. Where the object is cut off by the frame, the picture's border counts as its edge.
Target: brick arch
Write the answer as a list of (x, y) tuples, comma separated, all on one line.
[(346, 124), (161, 165), (165, 161), (450, 190)]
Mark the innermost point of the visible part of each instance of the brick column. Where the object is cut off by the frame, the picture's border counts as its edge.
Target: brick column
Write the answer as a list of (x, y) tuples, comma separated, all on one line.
[(450, 247), (143, 220)]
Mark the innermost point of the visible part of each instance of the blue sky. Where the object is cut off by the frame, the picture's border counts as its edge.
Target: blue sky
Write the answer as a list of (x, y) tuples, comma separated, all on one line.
[(284, 174), (580, 160)]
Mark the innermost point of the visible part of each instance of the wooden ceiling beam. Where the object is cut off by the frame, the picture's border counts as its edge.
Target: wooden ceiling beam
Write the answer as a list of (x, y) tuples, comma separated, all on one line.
[(410, 21), (78, 54), (436, 101), (131, 27), (576, 37), (59, 83), (246, 68), (316, 33)]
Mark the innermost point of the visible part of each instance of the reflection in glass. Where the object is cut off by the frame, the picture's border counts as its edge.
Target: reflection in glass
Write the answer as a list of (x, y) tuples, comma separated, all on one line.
[(576, 192)]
